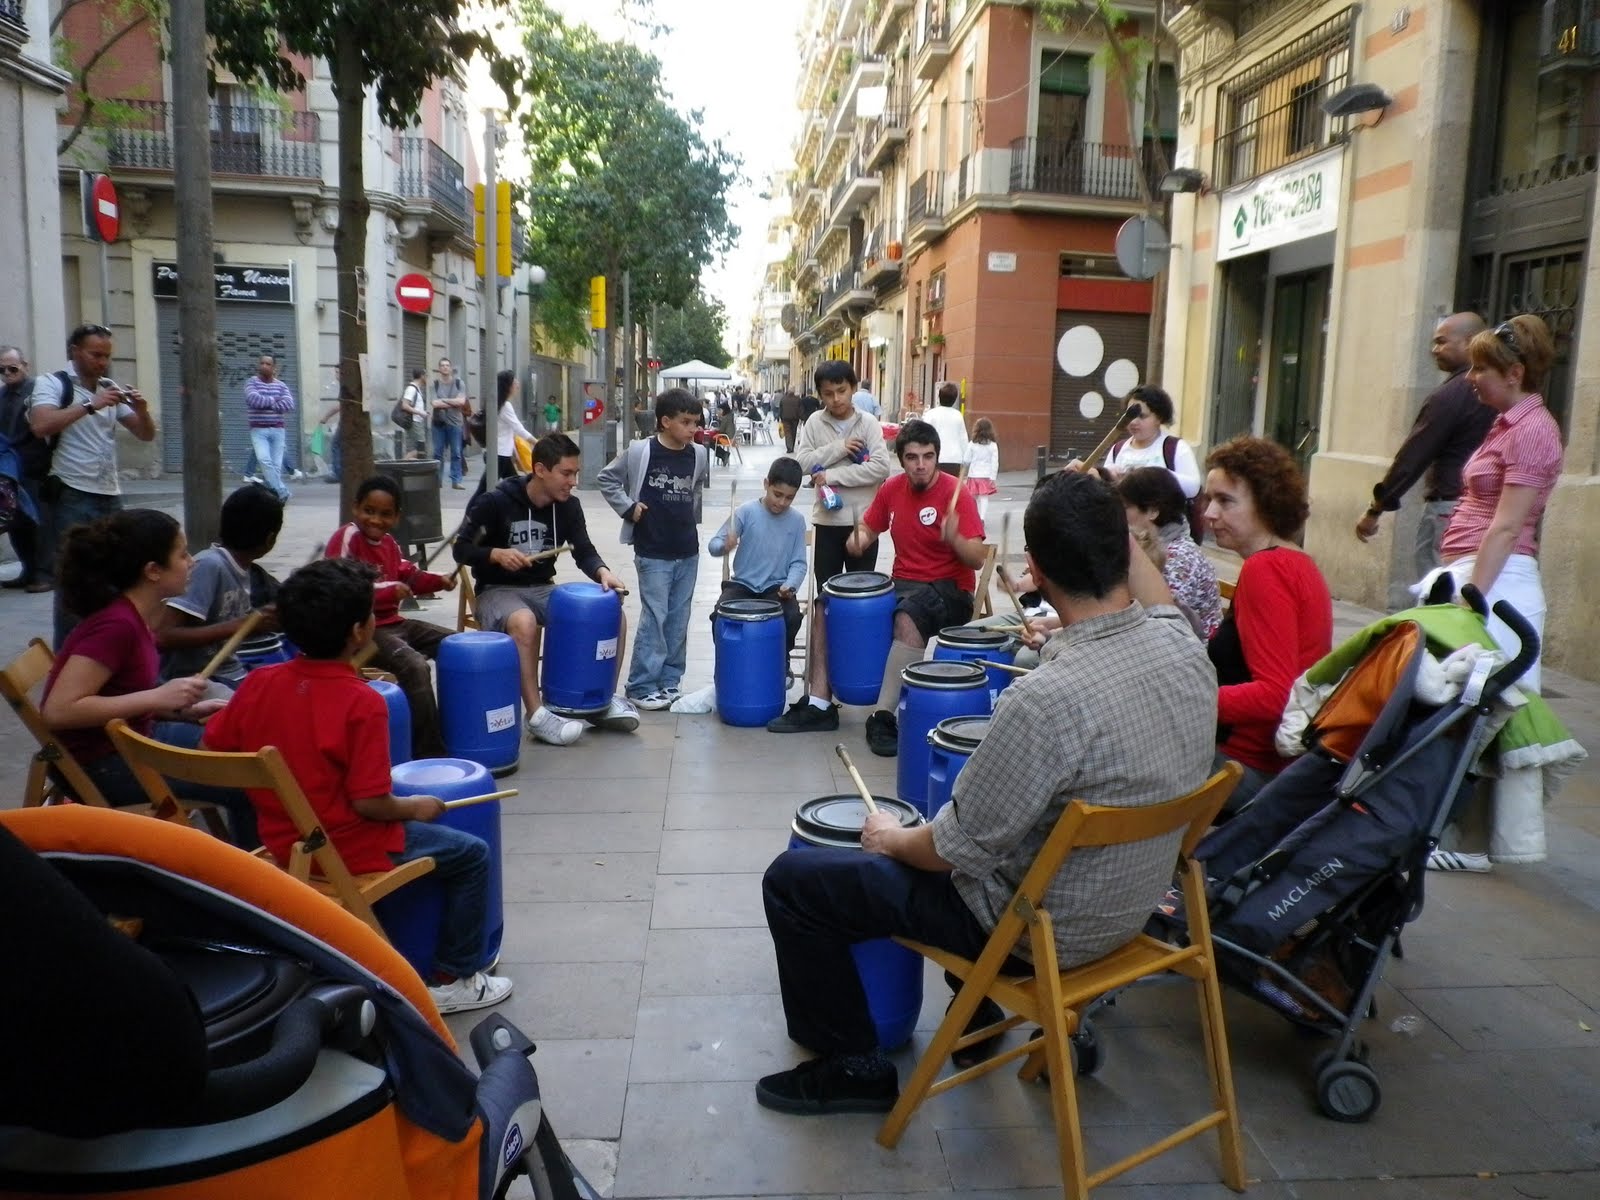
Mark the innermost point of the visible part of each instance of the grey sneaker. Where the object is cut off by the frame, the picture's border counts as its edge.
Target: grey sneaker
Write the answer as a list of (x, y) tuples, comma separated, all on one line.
[(621, 717), (545, 726)]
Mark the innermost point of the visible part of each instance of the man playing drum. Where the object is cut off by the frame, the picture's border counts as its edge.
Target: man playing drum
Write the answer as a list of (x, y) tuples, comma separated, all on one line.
[(938, 543), (503, 532), (1077, 727)]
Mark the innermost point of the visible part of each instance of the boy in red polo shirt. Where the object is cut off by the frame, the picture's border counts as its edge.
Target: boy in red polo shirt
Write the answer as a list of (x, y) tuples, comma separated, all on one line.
[(333, 731)]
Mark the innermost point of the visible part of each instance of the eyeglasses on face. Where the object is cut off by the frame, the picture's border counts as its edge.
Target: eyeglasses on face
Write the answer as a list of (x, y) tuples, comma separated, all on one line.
[(9, 369)]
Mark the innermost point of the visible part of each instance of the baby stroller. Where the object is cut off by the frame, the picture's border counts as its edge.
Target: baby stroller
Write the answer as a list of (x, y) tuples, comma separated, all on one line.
[(318, 1064), (1311, 884)]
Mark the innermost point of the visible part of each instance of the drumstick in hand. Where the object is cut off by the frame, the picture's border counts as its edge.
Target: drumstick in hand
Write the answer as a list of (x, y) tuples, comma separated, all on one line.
[(469, 801), (961, 483), (545, 555), (225, 651), (866, 796)]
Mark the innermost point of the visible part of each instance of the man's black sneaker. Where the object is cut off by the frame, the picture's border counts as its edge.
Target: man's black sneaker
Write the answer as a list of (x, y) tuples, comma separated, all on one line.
[(989, 1013), (805, 717), (883, 734), (823, 1085)]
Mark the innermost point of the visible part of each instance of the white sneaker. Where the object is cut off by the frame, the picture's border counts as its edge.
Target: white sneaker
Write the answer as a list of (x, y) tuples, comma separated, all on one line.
[(254, 479), (478, 990), (1458, 860), (653, 701), (620, 717), (545, 726)]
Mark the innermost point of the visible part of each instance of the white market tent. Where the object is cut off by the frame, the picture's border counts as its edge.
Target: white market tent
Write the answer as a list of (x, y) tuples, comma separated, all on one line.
[(694, 369)]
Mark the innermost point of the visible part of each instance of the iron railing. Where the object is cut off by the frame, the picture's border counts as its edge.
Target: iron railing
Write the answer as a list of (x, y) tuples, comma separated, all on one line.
[(1071, 167), (848, 279), (933, 24), (426, 172), (894, 116), (245, 140), (1272, 113), (925, 198)]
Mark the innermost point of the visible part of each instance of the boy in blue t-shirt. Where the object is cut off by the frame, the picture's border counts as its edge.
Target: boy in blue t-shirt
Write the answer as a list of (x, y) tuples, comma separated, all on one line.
[(770, 537), (655, 486)]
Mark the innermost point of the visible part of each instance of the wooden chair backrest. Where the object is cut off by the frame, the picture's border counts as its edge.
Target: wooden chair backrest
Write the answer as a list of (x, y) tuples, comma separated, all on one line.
[(466, 603), (982, 604), (18, 679), (154, 762)]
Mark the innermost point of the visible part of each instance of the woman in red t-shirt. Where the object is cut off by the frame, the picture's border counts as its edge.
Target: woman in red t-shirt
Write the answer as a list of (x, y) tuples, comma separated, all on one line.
[(116, 574), (1281, 617)]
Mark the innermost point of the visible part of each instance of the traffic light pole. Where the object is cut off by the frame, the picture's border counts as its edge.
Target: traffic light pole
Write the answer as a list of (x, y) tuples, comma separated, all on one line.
[(630, 361), (490, 393)]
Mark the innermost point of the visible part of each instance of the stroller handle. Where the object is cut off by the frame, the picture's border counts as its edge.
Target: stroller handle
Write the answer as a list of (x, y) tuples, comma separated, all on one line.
[(1527, 643)]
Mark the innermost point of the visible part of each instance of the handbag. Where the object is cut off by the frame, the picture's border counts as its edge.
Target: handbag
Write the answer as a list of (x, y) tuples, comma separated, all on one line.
[(401, 415)]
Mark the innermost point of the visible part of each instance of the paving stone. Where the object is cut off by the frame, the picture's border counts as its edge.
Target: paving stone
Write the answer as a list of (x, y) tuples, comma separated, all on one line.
[(710, 962)]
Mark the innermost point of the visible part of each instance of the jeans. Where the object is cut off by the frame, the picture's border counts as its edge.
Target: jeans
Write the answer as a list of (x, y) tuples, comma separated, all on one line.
[(661, 645), (448, 438), (1430, 531), (69, 507), (117, 783), (461, 865), (820, 902), (405, 650), (268, 447), (733, 590)]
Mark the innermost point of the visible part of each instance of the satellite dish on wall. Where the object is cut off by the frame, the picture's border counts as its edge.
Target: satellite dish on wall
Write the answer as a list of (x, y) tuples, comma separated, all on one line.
[(789, 318), (1142, 247)]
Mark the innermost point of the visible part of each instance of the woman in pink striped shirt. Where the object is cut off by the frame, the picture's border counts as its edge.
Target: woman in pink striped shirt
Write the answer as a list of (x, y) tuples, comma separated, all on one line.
[(1492, 541)]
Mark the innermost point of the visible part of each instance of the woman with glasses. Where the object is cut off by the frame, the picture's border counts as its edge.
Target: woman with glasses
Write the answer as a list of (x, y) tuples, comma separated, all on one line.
[(1492, 540)]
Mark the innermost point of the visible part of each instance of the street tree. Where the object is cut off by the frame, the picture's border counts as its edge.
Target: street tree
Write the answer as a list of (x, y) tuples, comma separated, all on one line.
[(82, 51), (618, 180), (693, 331), (394, 49)]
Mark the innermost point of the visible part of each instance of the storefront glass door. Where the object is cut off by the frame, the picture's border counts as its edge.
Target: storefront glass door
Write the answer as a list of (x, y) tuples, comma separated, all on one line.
[(1295, 362)]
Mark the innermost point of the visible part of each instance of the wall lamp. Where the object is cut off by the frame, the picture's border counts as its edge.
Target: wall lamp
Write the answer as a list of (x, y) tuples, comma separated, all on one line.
[(1357, 98), (1181, 181)]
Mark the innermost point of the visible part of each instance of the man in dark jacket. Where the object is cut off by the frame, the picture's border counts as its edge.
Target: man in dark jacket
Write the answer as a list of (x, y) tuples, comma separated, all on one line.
[(16, 385), (789, 414), (504, 532)]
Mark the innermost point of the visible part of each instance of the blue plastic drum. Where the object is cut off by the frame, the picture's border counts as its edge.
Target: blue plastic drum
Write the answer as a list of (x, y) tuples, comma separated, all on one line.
[(933, 691), (580, 649), (456, 779), (752, 661), (399, 719), (264, 650), (890, 974), (973, 643), (949, 746), (860, 620), (480, 699)]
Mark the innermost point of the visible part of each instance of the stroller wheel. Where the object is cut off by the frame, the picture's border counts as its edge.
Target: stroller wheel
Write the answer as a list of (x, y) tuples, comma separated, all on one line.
[(1348, 1091), (1087, 1052)]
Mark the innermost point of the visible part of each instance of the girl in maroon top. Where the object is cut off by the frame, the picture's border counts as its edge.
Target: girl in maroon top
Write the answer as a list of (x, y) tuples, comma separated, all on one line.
[(117, 573), (1281, 617)]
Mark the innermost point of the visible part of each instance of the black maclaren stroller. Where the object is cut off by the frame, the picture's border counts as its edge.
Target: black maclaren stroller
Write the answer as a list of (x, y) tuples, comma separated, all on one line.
[(1313, 881)]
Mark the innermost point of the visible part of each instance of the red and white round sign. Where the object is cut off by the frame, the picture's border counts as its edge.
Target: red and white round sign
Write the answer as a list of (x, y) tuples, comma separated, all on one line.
[(414, 292), (105, 209)]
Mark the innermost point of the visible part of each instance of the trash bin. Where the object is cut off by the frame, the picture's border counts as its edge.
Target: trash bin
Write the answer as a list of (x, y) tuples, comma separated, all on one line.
[(420, 520)]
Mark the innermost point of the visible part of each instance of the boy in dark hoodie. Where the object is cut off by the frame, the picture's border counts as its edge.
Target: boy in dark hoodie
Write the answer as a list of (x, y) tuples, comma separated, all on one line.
[(503, 530)]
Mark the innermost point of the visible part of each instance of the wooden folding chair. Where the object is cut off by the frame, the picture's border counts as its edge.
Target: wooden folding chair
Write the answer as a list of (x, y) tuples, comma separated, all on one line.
[(53, 774), (982, 602), (1055, 999), (466, 603), (1226, 588), (312, 860)]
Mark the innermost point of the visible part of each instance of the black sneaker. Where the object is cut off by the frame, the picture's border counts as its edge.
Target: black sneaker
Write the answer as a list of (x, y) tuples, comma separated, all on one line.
[(805, 717), (989, 1013), (883, 734), (824, 1086)]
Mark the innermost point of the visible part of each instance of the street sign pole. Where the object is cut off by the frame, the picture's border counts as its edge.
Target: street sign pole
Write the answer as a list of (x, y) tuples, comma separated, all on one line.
[(491, 301)]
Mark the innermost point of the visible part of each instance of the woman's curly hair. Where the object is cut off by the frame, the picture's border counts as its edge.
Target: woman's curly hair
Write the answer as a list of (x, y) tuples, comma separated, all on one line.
[(1274, 479)]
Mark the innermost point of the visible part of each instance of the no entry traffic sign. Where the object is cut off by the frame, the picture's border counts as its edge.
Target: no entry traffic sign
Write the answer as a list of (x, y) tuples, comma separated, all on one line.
[(414, 292), (102, 213)]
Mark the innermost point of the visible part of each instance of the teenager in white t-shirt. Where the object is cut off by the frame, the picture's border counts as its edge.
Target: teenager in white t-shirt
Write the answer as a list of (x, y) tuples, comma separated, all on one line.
[(1146, 446)]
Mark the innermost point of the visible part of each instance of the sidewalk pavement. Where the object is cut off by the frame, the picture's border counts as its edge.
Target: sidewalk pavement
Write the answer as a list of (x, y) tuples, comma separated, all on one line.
[(644, 972)]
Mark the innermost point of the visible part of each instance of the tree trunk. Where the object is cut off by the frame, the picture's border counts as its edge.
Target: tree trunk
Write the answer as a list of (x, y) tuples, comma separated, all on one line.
[(197, 304), (349, 253)]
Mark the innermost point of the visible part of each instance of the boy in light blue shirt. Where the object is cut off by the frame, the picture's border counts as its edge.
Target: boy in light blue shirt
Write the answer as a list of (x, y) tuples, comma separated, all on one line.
[(770, 537)]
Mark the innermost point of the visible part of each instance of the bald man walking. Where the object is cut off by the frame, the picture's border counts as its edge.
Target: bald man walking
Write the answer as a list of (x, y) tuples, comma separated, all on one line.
[(1448, 429)]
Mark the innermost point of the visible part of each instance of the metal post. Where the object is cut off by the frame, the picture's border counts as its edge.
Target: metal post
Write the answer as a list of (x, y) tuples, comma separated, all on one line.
[(491, 299), (630, 360)]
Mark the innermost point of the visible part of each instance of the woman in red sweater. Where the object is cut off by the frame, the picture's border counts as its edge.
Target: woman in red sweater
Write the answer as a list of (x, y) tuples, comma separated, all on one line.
[(1281, 618)]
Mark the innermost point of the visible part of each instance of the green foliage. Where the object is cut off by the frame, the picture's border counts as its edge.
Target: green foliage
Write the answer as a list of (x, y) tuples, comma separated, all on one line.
[(80, 58), (617, 179), (693, 331)]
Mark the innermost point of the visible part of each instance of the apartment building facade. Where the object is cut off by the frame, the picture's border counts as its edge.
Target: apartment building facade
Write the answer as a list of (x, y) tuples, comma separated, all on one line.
[(274, 174), (960, 178), (774, 314), (1308, 275)]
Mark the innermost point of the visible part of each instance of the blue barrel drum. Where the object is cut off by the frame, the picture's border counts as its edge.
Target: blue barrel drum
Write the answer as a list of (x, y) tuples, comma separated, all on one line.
[(975, 644), (752, 661), (890, 974), (480, 699), (581, 637), (860, 623), (932, 691), (394, 699), (950, 744)]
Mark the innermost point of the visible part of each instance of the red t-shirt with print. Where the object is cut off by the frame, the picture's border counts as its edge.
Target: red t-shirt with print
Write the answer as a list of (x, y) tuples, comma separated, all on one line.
[(914, 519)]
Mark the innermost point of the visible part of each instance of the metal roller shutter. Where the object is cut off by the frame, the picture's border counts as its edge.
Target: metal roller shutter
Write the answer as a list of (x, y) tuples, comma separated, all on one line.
[(244, 333), (414, 344), (1124, 338)]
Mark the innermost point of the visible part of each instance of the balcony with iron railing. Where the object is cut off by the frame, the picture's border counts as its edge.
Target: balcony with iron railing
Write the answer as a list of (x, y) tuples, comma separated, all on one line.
[(881, 255), (844, 289), (925, 206), (258, 142), (855, 187), (887, 26), (1071, 167), (933, 48), (431, 178), (886, 133)]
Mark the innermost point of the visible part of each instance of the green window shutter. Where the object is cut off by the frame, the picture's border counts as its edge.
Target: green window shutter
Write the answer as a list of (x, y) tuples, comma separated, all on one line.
[(1063, 74)]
